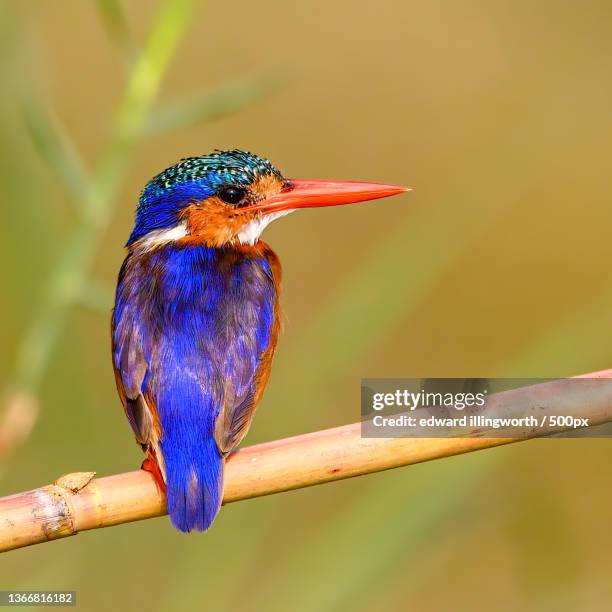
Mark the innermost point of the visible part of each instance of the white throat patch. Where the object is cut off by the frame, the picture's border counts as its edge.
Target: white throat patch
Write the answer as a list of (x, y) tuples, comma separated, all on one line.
[(251, 232), (156, 238)]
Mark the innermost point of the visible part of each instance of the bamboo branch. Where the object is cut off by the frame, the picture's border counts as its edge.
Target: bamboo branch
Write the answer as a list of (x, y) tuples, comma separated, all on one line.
[(78, 502)]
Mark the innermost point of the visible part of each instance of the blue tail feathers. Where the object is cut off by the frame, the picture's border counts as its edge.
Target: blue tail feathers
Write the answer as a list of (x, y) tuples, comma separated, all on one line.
[(194, 466), (194, 487)]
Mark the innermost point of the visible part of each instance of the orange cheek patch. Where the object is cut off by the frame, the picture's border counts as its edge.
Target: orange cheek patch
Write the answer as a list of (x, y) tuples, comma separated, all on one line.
[(213, 223)]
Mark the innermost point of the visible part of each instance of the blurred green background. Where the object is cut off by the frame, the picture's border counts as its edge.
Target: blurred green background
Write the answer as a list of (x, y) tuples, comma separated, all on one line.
[(497, 113)]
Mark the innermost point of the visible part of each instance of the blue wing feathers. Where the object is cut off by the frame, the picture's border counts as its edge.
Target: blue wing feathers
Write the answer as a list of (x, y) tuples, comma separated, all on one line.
[(189, 328)]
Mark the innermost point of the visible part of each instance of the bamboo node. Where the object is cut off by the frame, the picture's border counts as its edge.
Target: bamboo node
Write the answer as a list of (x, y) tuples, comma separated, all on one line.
[(53, 513)]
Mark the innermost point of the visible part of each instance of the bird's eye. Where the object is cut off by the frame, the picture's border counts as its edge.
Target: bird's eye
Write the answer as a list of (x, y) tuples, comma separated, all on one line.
[(232, 195)]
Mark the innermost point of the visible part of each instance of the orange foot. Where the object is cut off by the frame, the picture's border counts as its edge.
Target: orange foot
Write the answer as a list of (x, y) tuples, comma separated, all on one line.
[(150, 465)]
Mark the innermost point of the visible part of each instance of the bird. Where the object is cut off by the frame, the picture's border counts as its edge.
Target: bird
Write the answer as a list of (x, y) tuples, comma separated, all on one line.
[(197, 315)]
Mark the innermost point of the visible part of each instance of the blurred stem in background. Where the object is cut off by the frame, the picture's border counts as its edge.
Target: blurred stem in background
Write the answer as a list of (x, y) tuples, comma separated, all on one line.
[(96, 194)]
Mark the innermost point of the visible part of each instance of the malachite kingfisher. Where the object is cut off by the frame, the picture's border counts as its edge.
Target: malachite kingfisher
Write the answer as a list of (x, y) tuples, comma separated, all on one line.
[(197, 315)]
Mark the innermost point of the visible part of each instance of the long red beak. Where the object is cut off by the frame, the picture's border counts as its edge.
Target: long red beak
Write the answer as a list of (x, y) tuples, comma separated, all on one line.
[(315, 193)]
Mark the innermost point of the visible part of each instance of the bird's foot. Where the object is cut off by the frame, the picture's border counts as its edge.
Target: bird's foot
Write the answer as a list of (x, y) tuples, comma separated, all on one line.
[(150, 465)]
